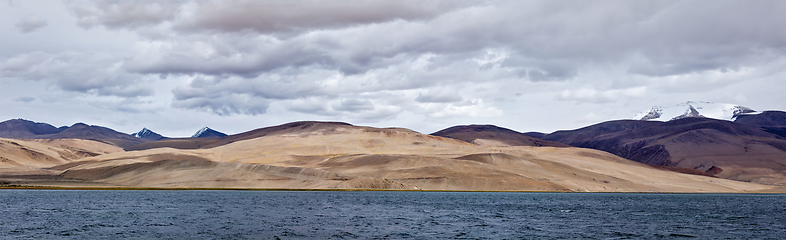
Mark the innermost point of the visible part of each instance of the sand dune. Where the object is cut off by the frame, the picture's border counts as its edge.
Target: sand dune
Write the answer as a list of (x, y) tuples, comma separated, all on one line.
[(349, 157)]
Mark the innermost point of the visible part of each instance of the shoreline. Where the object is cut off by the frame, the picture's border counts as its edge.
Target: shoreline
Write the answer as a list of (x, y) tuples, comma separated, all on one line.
[(778, 190)]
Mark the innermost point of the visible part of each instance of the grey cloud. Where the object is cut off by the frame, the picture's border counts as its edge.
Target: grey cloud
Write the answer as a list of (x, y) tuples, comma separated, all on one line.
[(31, 23), (90, 73), (271, 86), (272, 51), (25, 99), (225, 104), (124, 14), (354, 105), (310, 106), (128, 105), (553, 39), (303, 16)]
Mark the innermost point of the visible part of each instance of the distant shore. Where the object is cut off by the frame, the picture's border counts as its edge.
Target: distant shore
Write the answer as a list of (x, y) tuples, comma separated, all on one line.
[(777, 190)]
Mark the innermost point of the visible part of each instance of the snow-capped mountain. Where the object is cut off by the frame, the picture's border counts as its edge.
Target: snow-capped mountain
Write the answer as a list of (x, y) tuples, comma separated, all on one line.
[(148, 134), (207, 132), (723, 111)]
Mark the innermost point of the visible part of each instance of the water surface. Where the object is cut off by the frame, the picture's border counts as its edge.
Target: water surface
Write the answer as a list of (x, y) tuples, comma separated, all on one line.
[(57, 214)]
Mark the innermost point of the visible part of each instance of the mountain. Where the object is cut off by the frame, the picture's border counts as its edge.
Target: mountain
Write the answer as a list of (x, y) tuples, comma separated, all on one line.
[(490, 135), (196, 143), (98, 133), (20, 128), (732, 150), (723, 111), (764, 119), (319, 155), (207, 132), (148, 134), (24, 129)]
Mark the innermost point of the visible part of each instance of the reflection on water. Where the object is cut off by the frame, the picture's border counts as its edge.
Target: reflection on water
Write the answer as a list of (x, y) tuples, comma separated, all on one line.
[(386, 215)]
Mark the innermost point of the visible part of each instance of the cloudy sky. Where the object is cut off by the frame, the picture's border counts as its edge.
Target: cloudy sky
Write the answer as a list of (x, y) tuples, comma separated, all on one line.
[(176, 66)]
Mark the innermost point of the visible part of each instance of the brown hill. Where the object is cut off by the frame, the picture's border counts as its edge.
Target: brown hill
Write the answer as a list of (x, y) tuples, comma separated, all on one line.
[(490, 135), (20, 128), (211, 142), (24, 129), (742, 152), (315, 155), (96, 133)]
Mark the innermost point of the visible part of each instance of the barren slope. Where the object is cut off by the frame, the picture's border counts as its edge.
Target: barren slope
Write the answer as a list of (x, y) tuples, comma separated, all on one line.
[(490, 135), (732, 150), (326, 155), (30, 156)]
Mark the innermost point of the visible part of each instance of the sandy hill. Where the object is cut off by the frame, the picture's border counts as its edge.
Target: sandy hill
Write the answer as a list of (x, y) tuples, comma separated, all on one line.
[(490, 135), (317, 155), (728, 149), (34, 156)]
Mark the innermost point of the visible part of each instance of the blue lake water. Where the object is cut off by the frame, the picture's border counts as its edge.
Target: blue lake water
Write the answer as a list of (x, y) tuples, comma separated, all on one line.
[(73, 214)]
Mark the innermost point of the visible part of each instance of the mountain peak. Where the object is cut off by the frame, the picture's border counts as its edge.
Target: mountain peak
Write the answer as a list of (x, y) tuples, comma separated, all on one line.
[(723, 111), (148, 134), (207, 132)]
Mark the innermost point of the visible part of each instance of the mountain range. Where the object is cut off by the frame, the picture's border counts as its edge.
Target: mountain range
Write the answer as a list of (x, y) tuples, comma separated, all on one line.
[(722, 111), (751, 148)]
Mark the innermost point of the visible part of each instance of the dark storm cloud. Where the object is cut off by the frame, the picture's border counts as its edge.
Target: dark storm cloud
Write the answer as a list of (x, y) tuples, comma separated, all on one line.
[(30, 23)]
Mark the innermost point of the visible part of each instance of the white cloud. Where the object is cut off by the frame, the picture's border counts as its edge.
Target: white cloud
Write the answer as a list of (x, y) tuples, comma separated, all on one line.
[(594, 96), (472, 108)]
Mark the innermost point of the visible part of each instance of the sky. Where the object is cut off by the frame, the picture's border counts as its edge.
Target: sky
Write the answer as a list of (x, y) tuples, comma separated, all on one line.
[(177, 66)]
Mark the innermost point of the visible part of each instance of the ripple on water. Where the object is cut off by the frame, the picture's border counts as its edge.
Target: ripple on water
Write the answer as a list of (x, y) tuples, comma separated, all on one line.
[(386, 215)]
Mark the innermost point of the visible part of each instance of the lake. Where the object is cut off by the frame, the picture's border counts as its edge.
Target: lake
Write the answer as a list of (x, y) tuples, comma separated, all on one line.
[(88, 214)]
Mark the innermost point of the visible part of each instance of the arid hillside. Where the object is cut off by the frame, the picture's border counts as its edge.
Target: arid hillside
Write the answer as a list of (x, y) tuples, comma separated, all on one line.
[(490, 135), (726, 149), (318, 155)]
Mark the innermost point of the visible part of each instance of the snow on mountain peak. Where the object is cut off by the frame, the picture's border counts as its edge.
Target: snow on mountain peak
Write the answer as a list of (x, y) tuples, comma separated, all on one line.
[(142, 133), (200, 132), (723, 111), (148, 134)]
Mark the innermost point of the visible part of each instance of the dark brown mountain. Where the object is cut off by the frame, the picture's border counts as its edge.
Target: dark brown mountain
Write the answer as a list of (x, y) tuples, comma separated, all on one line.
[(764, 119), (20, 128), (737, 151), (535, 134), (208, 132), (770, 121), (478, 134), (148, 134), (211, 142), (97, 133)]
